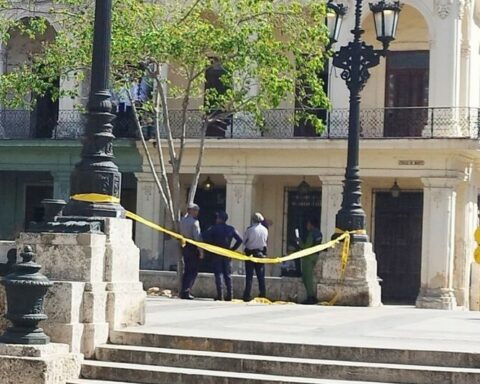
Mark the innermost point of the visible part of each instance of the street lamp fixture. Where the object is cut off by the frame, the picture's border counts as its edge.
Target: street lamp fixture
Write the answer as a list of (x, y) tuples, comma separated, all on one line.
[(355, 59), (208, 184), (303, 187), (395, 190), (385, 16), (334, 19)]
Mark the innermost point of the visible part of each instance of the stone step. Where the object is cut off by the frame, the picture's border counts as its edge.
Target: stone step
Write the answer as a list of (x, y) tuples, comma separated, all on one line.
[(308, 351), (87, 381), (154, 374), (288, 366)]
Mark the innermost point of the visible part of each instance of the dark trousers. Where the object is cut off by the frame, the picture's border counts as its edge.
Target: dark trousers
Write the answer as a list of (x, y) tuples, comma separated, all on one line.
[(222, 267), (192, 264), (259, 269)]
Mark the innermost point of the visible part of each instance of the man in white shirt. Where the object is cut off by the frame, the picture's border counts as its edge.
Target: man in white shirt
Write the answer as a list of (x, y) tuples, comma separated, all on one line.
[(255, 241), (190, 228)]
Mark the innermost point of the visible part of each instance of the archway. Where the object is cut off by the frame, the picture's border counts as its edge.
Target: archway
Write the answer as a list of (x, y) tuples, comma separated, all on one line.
[(22, 48)]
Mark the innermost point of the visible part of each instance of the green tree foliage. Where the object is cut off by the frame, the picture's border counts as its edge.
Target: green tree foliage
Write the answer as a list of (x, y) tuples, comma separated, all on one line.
[(274, 46)]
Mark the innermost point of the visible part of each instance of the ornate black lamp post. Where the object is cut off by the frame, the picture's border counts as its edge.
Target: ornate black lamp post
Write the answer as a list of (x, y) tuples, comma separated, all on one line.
[(355, 59), (97, 172)]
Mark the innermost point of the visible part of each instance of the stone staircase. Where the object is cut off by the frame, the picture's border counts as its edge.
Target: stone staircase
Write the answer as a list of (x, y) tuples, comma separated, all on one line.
[(144, 358)]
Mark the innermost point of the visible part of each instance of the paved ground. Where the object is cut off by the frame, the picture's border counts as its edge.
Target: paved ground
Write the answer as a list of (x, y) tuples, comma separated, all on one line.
[(387, 327)]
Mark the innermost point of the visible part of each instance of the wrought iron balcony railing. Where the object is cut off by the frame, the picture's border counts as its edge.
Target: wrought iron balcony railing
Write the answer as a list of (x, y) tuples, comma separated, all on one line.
[(378, 123)]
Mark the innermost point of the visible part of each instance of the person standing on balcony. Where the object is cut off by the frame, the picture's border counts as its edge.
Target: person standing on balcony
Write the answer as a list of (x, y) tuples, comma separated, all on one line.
[(221, 234), (190, 228), (313, 237), (255, 241)]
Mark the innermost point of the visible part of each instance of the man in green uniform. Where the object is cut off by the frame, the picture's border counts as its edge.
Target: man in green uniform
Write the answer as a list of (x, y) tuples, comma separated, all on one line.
[(312, 237)]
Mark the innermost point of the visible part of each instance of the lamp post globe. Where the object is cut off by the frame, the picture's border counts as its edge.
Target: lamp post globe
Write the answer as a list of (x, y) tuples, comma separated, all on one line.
[(334, 19), (385, 16), (355, 59)]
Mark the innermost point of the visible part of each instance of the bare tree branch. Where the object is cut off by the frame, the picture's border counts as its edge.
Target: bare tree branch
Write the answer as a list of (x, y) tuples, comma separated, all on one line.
[(149, 158)]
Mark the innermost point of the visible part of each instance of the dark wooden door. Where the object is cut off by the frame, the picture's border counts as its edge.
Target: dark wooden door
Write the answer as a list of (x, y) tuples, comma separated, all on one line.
[(301, 206), (34, 194), (215, 81), (44, 116), (210, 202), (398, 245), (303, 127), (406, 93)]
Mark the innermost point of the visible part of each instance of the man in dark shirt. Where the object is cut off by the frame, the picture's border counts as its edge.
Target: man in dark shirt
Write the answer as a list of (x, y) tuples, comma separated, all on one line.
[(222, 234)]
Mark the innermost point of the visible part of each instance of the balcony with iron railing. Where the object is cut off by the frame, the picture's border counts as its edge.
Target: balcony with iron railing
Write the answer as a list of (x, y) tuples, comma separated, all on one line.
[(377, 123)]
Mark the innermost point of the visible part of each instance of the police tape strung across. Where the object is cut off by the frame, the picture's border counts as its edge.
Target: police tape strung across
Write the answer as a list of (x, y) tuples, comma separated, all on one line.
[(343, 236), (98, 198)]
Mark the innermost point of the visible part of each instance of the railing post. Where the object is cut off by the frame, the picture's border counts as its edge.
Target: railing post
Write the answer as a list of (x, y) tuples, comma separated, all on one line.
[(478, 123), (328, 123), (469, 122), (432, 123)]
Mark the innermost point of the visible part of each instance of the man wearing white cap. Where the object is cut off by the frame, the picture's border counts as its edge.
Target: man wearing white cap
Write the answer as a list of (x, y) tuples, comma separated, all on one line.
[(255, 242), (190, 228)]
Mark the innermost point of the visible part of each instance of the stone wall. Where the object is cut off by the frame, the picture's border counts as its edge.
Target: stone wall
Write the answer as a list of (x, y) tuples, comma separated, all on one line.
[(278, 288), (5, 246)]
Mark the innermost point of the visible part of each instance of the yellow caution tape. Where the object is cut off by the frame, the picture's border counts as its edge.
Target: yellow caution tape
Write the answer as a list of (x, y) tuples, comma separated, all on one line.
[(476, 255), (343, 235), (261, 300), (477, 235), (344, 262), (94, 197)]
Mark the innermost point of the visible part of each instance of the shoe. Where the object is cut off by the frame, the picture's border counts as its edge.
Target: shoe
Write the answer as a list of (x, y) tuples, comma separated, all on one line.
[(187, 296), (310, 301), (228, 298), (247, 299), (218, 299)]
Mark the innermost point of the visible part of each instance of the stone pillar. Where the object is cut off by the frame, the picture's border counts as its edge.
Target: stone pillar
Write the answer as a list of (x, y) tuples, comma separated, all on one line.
[(3, 58), (332, 190), (38, 364), (360, 287), (240, 204), (96, 283), (466, 223), (61, 185), (445, 58), (151, 207), (438, 244)]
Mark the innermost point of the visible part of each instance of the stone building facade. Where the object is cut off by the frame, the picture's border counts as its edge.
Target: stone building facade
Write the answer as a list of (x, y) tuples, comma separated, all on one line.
[(420, 129)]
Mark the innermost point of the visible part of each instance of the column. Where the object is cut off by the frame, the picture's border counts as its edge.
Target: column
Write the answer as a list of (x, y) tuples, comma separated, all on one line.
[(438, 239), (3, 69), (332, 190), (61, 185), (151, 207), (466, 219), (240, 204), (3, 58), (445, 58)]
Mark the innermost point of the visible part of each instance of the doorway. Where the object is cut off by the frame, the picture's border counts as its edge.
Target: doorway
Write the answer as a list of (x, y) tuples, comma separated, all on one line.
[(304, 127), (300, 206), (406, 93), (44, 117), (210, 202), (398, 245), (34, 194)]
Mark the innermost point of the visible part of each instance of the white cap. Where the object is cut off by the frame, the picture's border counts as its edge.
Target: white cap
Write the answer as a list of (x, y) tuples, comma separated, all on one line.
[(193, 207), (257, 217)]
